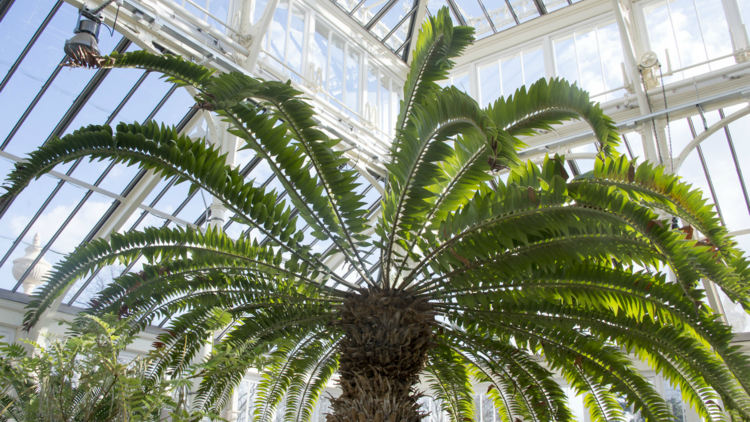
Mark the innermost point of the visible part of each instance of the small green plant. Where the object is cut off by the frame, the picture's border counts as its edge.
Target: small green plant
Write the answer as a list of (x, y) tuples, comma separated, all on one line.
[(84, 377)]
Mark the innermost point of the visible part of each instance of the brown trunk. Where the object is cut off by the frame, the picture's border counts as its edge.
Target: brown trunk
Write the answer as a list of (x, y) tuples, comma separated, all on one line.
[(385, 348)]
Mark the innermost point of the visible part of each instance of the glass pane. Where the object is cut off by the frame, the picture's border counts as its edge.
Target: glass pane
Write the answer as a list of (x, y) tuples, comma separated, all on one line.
[(474, 16), (385, 104), (553, 5), (533, 66), (23, 208), (220, 9), (399, 36), (52, 106), (462, 82), (194, 10), (46, 225), (296, 42), (258, 7), (353, 59), (725, 180), (371, 100), (635, 141), (277, 33), (368, 10), (512, 75), (144, 100), (565, 59), (433, 6), (500, 14), (685, 36), (19, 25), (490, 85), (320, 56), (525, 10), (175, 108), (392, 18), (336, 75), (589, 63)]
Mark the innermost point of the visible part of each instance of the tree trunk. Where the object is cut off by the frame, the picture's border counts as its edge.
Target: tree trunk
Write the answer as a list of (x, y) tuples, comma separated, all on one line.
[(388, 335)]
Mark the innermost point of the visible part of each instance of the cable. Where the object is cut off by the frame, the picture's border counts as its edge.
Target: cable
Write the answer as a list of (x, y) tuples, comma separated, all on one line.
[(669, 130), (114, 24)]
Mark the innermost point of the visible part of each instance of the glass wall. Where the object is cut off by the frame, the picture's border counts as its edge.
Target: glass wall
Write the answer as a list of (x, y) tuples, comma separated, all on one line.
[(340, 72), (686, 33), (501, 77), (592, 58), (589, 56), (215, 12)]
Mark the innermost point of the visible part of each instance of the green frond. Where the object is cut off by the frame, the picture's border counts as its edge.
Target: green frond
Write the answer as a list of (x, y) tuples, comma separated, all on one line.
[(522, 386), (177, 69), (447, 374), (415, 166), (317, 368), (546, 103), (160, 244)]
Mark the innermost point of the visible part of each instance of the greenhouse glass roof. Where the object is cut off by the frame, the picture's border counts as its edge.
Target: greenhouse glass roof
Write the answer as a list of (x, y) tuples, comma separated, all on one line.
[(349, 58)]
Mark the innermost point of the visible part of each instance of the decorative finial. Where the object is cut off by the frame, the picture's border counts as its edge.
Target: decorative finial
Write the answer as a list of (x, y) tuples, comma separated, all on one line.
[(36, 276)]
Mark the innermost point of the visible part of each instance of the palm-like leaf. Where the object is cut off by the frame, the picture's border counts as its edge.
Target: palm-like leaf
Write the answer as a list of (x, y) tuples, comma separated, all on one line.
[(499, 283)]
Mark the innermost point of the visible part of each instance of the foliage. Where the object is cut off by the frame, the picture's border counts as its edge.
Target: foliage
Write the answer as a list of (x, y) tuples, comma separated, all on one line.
[(536, 274), (84, 378)]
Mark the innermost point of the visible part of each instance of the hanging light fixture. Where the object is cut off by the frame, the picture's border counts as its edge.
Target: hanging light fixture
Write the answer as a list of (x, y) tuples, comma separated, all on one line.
[(83, 49)]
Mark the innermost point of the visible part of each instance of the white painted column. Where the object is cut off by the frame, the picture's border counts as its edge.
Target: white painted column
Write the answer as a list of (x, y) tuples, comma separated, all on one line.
[(256, 32), (737, 30), (630, 35)]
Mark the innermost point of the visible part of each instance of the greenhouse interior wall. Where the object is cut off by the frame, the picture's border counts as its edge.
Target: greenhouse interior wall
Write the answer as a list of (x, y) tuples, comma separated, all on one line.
[(689, 112)]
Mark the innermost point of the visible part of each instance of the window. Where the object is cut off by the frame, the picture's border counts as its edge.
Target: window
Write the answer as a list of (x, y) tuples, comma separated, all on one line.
[(216, 8), (501, 78), (591, 58), (685, 34)]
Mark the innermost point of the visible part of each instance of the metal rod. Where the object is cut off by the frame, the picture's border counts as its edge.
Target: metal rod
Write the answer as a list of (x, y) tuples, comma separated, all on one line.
[(512, 12), (357, 7), (736, 161), (405, 44), (457, 12), (705, 171), (380, 14), (487, 15), (5, 7), (398, 25)]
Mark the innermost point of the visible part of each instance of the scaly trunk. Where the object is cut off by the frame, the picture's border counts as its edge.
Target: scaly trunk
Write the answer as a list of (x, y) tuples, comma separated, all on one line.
[(388, 335)]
